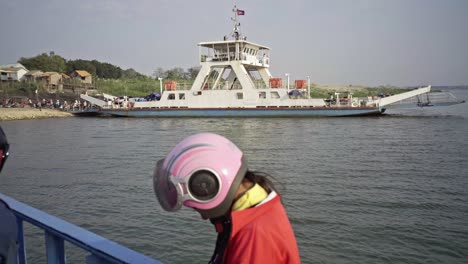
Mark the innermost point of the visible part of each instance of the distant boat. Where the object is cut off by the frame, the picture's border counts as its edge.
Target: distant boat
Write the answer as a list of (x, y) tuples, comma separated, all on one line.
[(235, 81)]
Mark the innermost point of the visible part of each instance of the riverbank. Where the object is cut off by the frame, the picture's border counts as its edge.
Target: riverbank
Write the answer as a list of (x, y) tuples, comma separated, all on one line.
[(30, 113)]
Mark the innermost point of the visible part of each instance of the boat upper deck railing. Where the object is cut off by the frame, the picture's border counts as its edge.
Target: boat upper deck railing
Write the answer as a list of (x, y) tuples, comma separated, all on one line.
[(57, 231), (226, 85), (245, 58)]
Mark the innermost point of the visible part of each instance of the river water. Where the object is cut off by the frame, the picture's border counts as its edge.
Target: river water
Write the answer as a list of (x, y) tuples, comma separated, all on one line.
[(389, 189)]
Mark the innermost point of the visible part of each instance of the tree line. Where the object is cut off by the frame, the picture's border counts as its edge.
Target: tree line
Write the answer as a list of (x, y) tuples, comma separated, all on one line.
[(176, 73), (51, 62)]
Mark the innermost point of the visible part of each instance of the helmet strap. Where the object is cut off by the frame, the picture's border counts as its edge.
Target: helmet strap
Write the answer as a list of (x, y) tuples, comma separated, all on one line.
[(223, 226)]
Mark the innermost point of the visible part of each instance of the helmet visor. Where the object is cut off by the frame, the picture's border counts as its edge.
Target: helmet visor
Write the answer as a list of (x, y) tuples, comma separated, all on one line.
[(165, 190), (3, 155)]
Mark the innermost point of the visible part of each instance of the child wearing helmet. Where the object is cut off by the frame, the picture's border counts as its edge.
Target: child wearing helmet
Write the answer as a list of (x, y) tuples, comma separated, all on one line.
[(8, 228), (209, 173)]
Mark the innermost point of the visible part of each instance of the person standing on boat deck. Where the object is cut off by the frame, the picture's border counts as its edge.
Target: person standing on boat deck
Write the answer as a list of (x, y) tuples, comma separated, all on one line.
[(209, 173), (8, 227)]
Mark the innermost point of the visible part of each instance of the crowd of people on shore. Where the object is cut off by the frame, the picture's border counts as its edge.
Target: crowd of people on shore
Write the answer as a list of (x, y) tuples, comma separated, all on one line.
[(44, 103)]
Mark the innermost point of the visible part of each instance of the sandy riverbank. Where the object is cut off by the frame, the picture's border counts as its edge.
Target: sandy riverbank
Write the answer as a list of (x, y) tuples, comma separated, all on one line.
[(30, 113)]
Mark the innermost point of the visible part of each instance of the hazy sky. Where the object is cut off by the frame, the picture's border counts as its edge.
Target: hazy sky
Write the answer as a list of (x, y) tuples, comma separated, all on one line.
[(368, 42)]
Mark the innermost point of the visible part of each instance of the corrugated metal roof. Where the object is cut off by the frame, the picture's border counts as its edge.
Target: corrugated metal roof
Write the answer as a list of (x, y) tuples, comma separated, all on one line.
[(49, 73), (11, 69), (12, 65), (222, 44), (83, 73), (33, 72)]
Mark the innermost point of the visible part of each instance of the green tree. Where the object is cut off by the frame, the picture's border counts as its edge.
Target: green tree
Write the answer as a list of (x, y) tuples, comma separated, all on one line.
[(45, 62), (77, 65), (132, 74), (192, 72), (107, 70), (175, 74), (159, 73)]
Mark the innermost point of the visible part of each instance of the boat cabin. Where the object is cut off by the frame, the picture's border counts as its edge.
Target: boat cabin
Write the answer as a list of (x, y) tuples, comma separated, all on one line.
[(235, 50), (233, 65)]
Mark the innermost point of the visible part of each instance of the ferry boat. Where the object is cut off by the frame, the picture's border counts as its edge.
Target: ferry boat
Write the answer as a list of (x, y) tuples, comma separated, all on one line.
[(235, 81)]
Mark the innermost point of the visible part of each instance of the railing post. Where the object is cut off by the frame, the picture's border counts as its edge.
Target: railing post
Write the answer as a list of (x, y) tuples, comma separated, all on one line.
[(55, 249), (21, 246)]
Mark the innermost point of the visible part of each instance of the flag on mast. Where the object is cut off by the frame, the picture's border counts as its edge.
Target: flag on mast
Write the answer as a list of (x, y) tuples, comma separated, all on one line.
[(240, 12)]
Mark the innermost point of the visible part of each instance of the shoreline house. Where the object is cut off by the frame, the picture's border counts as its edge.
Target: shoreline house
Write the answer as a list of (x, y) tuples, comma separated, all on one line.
[(12, 72), (83, 76), (53, 81), (33, 75)]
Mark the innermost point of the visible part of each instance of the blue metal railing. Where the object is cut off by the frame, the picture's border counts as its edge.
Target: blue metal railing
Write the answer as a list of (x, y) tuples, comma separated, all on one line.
[(57, 231)]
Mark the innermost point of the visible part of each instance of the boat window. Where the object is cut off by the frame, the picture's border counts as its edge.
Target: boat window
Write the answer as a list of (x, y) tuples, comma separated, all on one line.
[(262, 95), (240, 96), (171, 96), (182, 96), (274, 95)]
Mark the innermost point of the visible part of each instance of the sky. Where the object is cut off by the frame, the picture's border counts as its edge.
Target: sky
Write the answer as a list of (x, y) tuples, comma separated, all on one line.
[(335, 42)]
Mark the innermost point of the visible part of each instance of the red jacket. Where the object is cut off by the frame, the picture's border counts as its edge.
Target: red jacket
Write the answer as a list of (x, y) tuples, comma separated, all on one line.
[(262, 234)]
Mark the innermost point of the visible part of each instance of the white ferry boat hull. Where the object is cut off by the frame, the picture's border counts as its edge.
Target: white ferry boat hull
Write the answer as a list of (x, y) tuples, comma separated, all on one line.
[(245, 112)]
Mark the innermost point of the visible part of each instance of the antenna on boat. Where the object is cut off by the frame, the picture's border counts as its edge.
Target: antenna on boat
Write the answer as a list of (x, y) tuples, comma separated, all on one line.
[(236, 34)]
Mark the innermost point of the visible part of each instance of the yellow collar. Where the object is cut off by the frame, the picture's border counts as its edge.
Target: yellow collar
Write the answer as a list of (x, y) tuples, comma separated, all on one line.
[(253, 196)]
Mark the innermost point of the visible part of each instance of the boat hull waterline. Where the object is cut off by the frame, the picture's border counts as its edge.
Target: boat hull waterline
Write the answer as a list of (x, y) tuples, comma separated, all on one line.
[(245, 112)]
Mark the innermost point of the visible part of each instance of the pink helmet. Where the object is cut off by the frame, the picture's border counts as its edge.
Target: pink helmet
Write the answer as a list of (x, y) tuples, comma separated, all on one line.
[(203, 171)]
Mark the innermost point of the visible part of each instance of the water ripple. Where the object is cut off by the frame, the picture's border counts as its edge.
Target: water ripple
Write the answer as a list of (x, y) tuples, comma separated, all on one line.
[(389, 189)]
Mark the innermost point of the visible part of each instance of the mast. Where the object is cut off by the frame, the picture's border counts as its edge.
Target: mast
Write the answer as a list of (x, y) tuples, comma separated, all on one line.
[(236, 34)]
